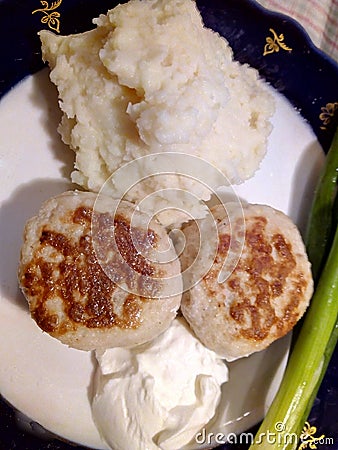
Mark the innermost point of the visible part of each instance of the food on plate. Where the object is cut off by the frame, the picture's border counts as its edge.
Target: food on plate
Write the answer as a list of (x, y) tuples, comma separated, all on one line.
[(267, 291), (98, 273), (150, 78), (322, 217), (317, 339), (158, 395)]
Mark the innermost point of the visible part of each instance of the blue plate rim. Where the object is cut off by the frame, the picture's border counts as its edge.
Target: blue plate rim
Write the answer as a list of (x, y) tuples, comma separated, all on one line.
[(30, 69)]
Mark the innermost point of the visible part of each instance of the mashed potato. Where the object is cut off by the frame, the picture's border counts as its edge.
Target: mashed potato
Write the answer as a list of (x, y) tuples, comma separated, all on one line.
[(150, 78)]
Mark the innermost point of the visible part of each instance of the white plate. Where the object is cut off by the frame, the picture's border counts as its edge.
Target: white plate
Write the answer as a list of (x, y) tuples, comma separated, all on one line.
[(51, 383)]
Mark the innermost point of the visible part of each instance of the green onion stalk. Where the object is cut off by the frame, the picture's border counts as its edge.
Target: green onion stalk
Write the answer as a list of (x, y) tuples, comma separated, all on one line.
[(323, 214), (283, 425)]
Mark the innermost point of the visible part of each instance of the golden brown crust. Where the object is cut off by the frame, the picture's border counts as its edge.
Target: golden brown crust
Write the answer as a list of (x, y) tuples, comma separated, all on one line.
[(78, 278), (266, 293), (73, 284)]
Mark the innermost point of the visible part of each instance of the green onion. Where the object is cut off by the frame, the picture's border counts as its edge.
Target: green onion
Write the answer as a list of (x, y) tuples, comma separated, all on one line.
[(306, 366), (319, 230), (282, 426)]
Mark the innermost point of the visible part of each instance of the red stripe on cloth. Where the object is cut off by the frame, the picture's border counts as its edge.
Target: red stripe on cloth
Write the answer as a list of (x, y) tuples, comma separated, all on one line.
[(328, 39), (332, 20), (318, 7), (321, 23), (297, 16)]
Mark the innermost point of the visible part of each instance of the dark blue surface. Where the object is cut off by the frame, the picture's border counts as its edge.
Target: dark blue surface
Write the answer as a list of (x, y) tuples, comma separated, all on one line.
[(307, 77)]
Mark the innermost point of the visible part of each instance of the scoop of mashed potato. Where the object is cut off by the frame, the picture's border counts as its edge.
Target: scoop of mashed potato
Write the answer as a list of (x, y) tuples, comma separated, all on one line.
[(150, 78)]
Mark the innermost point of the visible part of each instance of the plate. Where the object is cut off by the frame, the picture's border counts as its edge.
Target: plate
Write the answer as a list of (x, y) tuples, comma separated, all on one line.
[(49, 384)]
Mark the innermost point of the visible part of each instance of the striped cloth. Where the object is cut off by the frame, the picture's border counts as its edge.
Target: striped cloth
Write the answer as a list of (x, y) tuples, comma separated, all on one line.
[(318, 17)]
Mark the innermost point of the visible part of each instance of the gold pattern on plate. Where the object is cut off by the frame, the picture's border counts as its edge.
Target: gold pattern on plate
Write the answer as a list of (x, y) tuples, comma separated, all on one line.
[(50, 16), (308, 440), (275, 44), (327, 113)]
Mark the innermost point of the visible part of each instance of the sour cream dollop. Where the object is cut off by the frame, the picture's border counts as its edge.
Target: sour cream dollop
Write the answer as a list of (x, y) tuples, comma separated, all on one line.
[(158, 395)]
